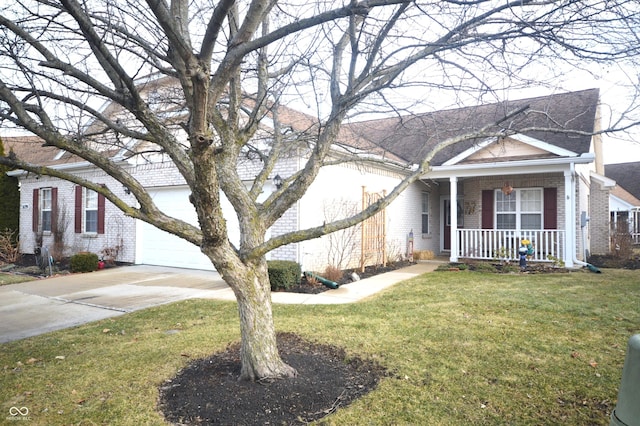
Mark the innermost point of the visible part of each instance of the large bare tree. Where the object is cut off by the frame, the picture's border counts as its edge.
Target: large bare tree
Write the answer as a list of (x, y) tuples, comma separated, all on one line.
[(235, 62)]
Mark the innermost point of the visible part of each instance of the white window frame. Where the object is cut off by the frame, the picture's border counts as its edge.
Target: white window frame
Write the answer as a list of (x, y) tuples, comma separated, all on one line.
[(425, 204), (519, 209), (46, 206), (89, 205)]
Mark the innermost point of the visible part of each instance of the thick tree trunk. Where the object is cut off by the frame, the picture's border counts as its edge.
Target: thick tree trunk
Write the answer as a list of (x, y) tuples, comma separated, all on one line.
[(259, 352)]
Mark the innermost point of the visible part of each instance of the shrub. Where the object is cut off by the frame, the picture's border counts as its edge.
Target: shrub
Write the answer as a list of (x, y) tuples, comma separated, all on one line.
[(312, 280), (332, 273), (9, 251), (84, 262), (10, 196), (59, 232), (484, 267), (284, 274), (508, 269)]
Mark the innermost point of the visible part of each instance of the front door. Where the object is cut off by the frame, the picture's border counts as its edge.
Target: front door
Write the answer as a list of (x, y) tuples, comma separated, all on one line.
[(446, 222)]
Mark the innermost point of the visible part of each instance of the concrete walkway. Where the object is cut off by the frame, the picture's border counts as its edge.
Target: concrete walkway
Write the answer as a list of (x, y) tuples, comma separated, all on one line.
[(36, 307)]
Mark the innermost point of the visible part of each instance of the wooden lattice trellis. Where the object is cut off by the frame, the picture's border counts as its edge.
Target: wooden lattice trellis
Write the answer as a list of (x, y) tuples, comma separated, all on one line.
[(374, 233)]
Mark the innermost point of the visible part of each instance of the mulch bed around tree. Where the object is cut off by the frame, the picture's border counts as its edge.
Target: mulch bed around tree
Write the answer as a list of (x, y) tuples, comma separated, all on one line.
[(208, 391)]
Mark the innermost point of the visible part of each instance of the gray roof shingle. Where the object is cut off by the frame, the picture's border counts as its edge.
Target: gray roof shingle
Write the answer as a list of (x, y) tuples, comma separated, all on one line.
[(627, 175), (412, 137)]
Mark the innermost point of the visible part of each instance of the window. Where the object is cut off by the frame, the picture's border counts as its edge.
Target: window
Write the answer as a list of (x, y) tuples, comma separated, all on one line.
[(459, 213), (46, 209), (425, 212), (522, 209), (43, 213), (90, 211)]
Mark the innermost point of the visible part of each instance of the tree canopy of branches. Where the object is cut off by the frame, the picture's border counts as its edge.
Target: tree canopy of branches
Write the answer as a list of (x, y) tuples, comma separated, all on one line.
[(235, 63)]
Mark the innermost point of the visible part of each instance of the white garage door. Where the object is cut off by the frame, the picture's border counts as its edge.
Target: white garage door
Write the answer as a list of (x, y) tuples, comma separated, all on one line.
[(156, 247)]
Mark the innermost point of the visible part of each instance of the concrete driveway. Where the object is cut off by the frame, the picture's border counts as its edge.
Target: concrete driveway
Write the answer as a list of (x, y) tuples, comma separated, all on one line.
[(36, 307)]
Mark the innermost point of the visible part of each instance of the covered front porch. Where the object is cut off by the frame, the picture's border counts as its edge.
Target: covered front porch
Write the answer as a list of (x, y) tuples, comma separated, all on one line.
[(500, 204)]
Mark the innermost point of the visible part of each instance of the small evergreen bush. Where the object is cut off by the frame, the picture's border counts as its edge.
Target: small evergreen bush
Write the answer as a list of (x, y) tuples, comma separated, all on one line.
[(509, 269), (484, 267), (84, 262), (284, 274), (10, 196)]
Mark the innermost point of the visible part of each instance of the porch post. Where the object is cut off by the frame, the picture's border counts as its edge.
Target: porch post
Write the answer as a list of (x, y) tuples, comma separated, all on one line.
[(453, 203), (570, 242)]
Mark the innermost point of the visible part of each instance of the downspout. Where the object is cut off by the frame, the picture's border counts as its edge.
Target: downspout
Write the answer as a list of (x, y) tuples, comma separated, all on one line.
[(570, 218), (573, 219), (453, 209), (584, 245)]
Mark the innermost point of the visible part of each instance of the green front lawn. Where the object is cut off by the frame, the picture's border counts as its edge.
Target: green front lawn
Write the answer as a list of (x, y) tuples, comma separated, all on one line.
[(462, 347)]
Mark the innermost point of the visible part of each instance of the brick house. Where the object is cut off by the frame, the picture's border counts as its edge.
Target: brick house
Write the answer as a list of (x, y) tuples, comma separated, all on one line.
[(479, 199)]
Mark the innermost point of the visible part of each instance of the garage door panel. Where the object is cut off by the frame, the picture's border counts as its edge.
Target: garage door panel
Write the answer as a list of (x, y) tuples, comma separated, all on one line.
[(157, 247)]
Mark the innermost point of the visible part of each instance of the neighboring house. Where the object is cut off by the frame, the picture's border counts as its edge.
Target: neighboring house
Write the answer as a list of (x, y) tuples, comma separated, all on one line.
[(625, 196), (479, 199)]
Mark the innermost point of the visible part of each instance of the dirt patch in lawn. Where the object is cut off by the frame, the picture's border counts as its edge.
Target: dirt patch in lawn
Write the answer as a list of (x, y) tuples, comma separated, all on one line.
[(208, 391)]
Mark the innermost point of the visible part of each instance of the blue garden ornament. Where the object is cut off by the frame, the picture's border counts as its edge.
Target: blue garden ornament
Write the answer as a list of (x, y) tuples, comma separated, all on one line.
[(526, 249)]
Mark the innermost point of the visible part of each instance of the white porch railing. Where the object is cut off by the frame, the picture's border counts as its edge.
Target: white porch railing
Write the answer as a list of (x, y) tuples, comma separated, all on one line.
[(548, 245)]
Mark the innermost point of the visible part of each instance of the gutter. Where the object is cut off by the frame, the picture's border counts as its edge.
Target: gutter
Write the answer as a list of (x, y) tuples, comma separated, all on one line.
[(62, 167), (543, 165)]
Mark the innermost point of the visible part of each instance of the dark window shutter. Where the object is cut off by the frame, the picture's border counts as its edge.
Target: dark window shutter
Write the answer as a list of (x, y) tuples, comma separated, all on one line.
[(78, 210), (36, 210), (54, 209), (100, 214), (487, 209), (550, 208)]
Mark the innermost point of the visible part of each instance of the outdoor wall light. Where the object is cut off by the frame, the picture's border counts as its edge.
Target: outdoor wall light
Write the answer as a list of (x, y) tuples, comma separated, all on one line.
[(507, 189), (277, 181), (126, 190)]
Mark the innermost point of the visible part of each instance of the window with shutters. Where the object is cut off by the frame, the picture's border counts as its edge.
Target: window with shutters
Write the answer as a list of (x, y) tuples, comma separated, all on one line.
[(521, 209), (46, 209), (90, 211)]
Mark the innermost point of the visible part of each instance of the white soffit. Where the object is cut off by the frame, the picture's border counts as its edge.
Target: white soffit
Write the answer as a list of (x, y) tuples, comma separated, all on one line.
[(605, 181)]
